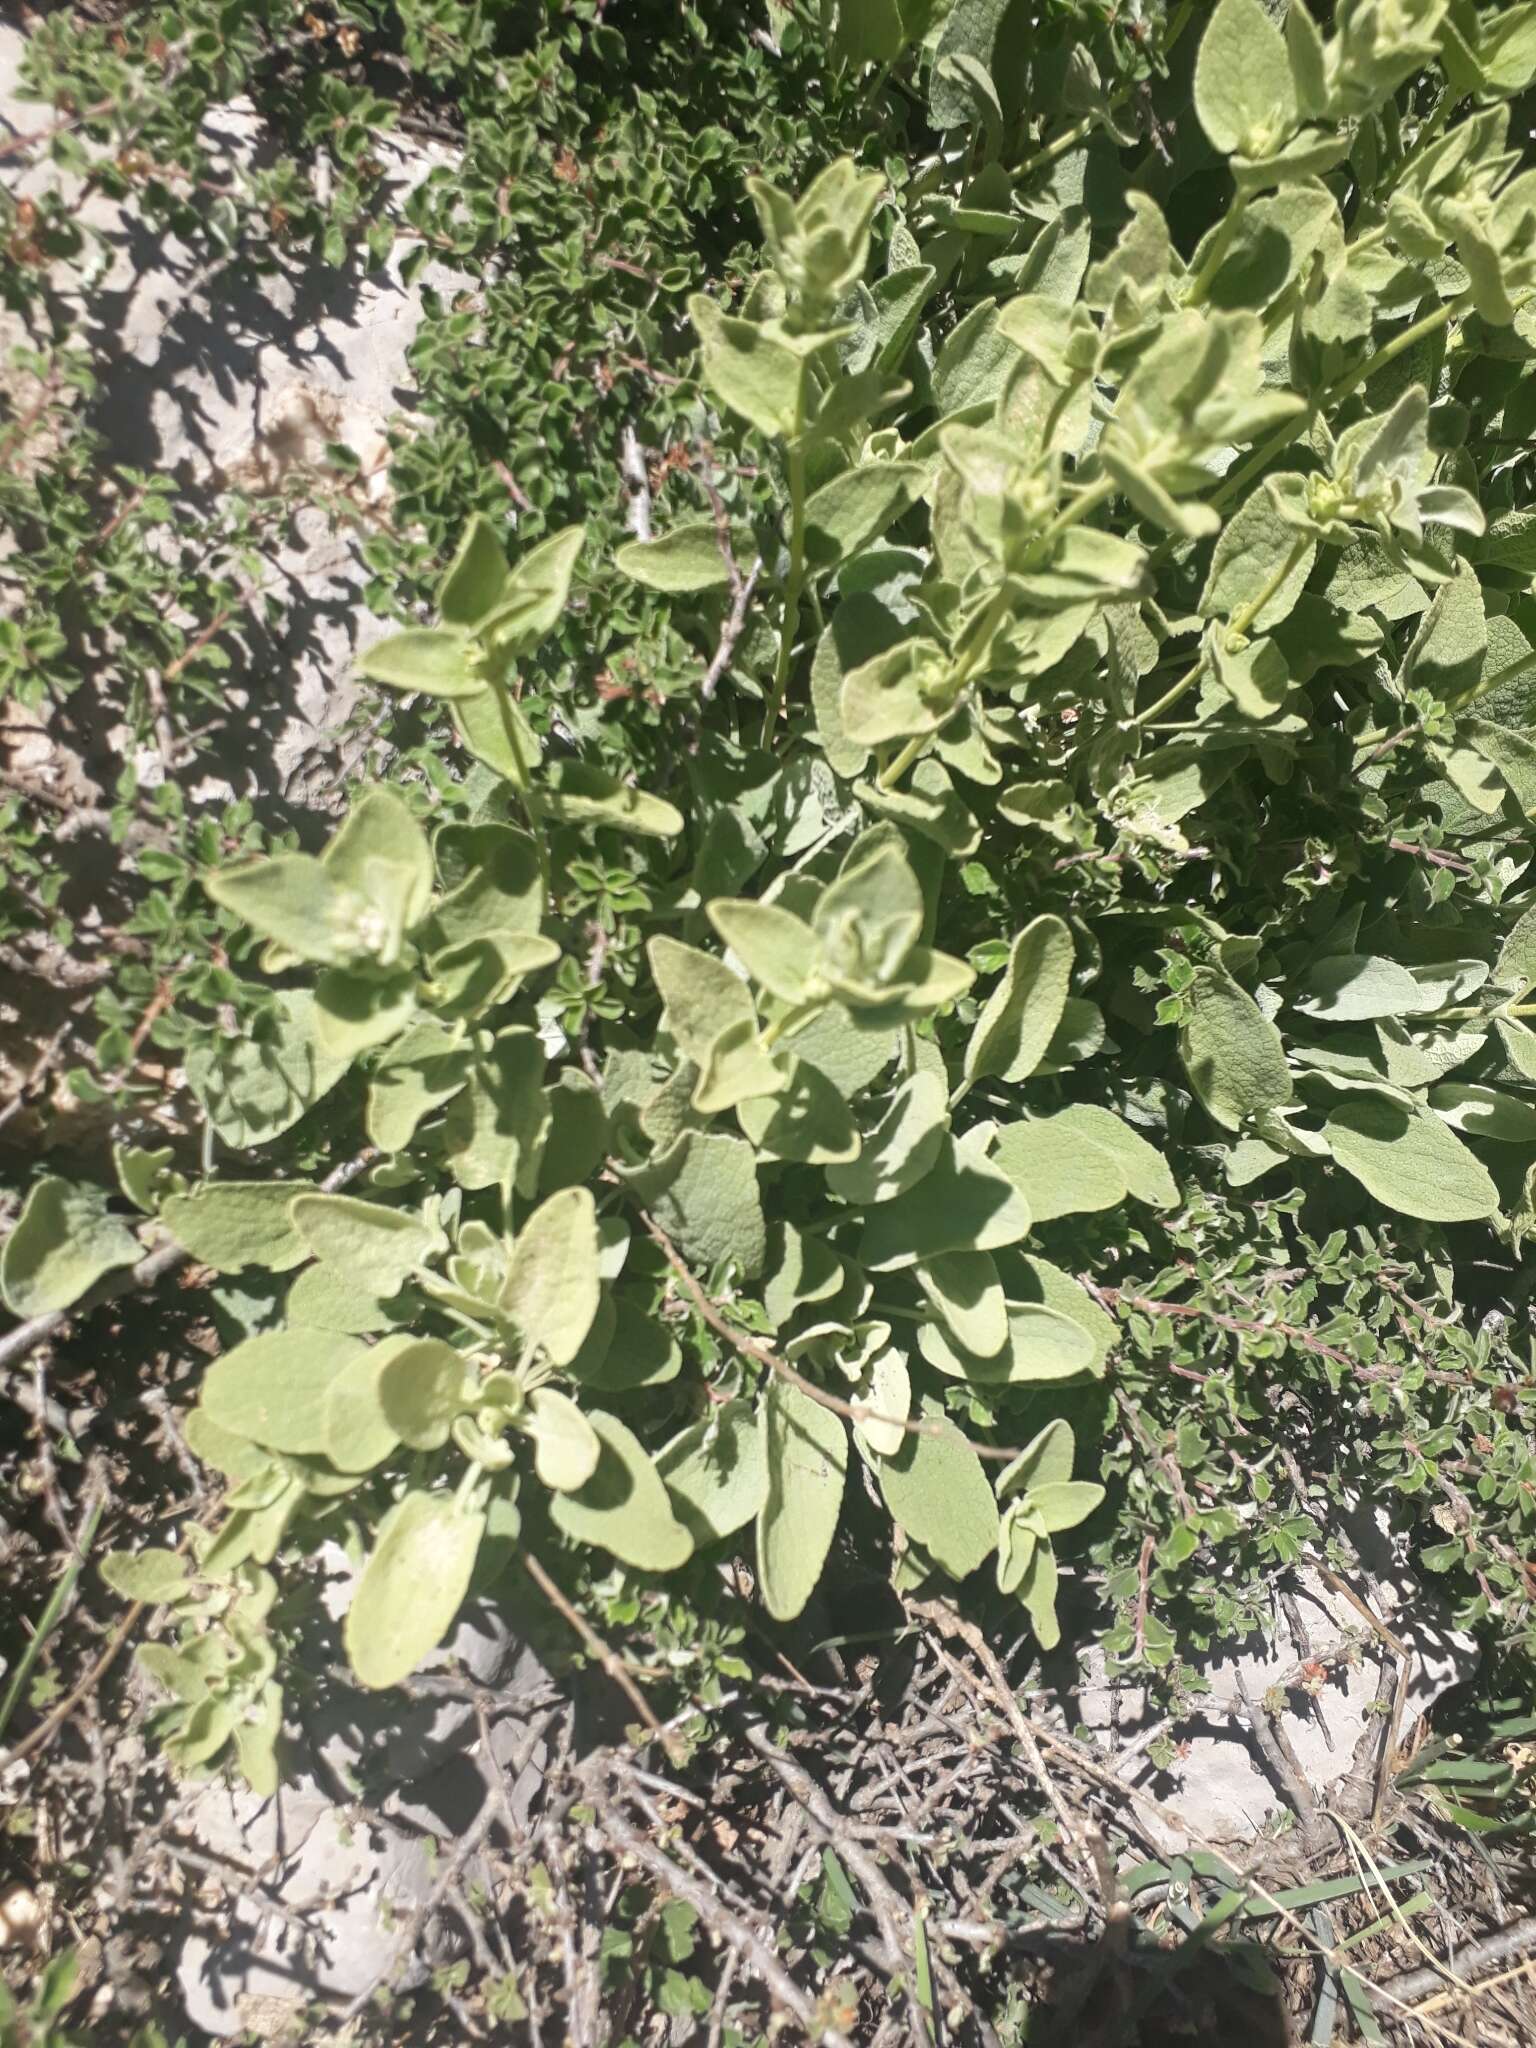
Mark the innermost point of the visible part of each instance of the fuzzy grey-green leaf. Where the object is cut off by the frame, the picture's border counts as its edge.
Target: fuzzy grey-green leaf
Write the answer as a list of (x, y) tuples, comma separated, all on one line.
[(807, 1457), (411, 1587), (1233, 1055), (1410, 1160), (64, 1240), (1020, 1016)]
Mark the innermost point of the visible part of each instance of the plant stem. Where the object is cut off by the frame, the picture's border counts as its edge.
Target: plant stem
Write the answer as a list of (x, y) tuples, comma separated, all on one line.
[(1341, 388), (1465, 1010), (508, 715), (1389, 740), (1068, 139), (1221, 243), (1088, 499), (57, 1602), (794, 582), (1243, 619), (796, 1015), (1080, 132), (912, 751), (1170, 697)]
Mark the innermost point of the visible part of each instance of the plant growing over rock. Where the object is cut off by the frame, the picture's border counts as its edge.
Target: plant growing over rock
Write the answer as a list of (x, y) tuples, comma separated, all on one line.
[(778, 1110)]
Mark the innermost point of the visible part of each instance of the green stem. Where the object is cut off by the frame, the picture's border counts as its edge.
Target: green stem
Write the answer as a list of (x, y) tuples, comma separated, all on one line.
[(1088, 499), (1282, 438), (1081, 130), (1389, 740), (1171, 697), (912, 751), (1243, 619), (1221, 244), (794, 582), (1067, 140), (521, 776), (796, 1015), (58, 1600)]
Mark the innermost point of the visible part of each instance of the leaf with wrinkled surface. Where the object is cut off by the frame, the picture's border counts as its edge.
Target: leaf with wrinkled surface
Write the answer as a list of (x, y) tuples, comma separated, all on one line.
[(690, 557), (624, 1507), (1021, 1015), (1348, 987), (274, 1389), (62, 1243), (1245, 94), (717, 1471), (566, 1447), (358, 1434), (423, 1385), (1042, 1344), (807, 1457), (1410, 1160), (960, 1204), (577, 793), (496, 1121), (232, 1224), (777, 948), (552, 1285), (1233, 1055), (476, 577), (885, 1392), (412, 1586), (902, 1146), (379, 1247), (709, 1203), (805, 1120), (751, 372), (1484, 1112), (938, 1494), (965, 1289), (427, 661)]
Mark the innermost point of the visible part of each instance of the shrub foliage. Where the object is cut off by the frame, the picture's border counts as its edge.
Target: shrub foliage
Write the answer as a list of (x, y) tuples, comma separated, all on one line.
[(998, 1051)]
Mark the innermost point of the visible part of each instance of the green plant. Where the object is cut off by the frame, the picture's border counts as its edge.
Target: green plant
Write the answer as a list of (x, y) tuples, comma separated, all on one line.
[(857, 1095)]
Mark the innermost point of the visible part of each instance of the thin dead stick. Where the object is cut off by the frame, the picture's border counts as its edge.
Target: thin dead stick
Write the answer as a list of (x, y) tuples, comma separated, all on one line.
[(719, 1918), (834, 1826), (463, 1849), (949, 1623), (1518, 1939), (742, 587), (17, 1343), (45, 1731), (851, 1411), (40, 1067), (1347, 1592), (731, 632), (597, 1648), (1076, 1759), (1282, 1760)]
